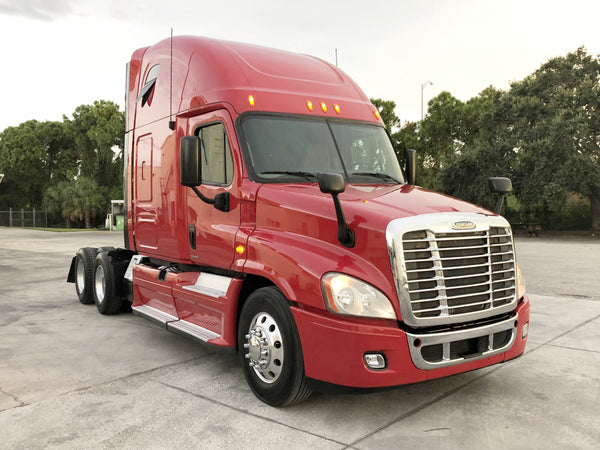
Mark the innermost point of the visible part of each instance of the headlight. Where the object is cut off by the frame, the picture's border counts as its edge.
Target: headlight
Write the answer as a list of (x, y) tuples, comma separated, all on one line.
[(521, 288), (350, 296)]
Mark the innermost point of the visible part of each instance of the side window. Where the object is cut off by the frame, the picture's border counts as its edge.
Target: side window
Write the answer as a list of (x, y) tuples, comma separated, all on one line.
[(217, 162), (148, 89)]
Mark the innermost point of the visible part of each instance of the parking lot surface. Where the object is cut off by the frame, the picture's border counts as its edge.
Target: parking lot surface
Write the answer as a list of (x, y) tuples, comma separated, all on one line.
[(72, 378)]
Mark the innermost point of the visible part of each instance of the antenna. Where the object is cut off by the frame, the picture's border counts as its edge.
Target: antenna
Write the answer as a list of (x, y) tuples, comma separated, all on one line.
[(171, 121), (336, 61)]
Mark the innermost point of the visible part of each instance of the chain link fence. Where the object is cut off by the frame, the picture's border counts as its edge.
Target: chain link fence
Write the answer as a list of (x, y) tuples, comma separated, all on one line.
[(23, 218)]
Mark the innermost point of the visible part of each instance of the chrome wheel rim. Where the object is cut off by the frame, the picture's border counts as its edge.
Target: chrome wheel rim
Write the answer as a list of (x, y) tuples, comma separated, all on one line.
[(80, 276), (99, 284), (264, 347)]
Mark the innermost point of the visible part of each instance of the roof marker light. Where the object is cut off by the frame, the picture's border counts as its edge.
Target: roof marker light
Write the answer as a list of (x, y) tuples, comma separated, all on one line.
[(251, 100), (309, 105), (324, 107), (337, 109), (376, 114)]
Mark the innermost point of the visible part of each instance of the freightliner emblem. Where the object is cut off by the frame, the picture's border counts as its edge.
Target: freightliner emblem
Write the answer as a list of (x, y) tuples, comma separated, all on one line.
[(463, 225)]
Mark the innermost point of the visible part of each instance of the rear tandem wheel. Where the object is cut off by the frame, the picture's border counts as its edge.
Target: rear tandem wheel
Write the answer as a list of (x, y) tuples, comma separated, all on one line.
[(105, 289), (84, 274)]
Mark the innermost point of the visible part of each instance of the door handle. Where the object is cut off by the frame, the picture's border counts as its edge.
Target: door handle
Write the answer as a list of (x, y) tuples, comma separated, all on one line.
[(192, 236)]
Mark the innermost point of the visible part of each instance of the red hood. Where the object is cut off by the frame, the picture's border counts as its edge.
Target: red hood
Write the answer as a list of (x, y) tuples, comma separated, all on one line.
[(296, 227), (298, 207), (394, 202)]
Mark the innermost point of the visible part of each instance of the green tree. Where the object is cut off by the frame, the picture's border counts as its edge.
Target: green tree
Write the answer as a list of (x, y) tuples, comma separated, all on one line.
[(440, 135), (42, 160), (486, 149), (556, 132), (79, 201), (61, 163), (97, 133), (543, 133), (24, 161)]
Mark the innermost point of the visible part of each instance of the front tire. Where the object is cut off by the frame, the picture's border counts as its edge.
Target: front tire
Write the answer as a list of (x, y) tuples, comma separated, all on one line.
[(270, 349)]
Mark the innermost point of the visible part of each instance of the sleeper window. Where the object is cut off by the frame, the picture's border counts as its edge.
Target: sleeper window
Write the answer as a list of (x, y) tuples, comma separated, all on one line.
[(148, 89)]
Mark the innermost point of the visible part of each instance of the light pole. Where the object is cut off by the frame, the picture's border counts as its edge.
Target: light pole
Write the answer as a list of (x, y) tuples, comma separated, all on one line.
[(423, 87)]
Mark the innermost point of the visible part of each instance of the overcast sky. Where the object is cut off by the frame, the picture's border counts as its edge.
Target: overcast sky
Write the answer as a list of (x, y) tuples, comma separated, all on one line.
[(58, 54)]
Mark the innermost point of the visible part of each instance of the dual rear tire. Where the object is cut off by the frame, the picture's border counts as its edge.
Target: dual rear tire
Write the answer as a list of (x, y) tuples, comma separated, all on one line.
[(84, 274), (105, 287), (95, 280)]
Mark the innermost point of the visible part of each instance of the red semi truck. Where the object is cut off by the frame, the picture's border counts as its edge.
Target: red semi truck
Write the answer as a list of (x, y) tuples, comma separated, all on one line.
[(268, 213)]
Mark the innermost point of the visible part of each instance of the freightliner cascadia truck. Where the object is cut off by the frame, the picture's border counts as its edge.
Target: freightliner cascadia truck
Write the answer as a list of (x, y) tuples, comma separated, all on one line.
[(268, 213)]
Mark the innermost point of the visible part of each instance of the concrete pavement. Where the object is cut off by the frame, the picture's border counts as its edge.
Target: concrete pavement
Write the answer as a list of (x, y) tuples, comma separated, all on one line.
[(71, 378)]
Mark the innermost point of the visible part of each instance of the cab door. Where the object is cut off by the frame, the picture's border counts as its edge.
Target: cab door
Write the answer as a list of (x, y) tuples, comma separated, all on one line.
[(211, 232)]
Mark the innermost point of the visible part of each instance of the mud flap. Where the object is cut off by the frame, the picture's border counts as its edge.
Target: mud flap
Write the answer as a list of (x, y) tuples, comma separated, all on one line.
[(71, 275)]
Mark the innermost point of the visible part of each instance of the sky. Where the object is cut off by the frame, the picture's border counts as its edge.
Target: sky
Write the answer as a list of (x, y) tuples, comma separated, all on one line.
[(59, 54)]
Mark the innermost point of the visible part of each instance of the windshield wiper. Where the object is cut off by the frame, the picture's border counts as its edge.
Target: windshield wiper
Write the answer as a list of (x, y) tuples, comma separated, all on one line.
[(383, 176), (307, 175)]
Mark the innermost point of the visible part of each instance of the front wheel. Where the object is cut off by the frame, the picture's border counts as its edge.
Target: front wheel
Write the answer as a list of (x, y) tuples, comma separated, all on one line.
[(270, 349)]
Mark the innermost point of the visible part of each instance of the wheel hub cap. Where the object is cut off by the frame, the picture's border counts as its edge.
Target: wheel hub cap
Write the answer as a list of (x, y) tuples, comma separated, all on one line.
[(265, 348)]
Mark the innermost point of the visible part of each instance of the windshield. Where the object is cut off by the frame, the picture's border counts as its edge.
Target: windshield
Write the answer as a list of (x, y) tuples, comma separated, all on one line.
[(283, 149)]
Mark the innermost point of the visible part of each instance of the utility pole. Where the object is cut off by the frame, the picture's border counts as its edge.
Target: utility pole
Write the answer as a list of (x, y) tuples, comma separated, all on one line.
[(423, 86)]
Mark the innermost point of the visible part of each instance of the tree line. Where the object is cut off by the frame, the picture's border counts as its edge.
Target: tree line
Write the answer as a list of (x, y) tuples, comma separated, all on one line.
[(72, 169), (543, 133)]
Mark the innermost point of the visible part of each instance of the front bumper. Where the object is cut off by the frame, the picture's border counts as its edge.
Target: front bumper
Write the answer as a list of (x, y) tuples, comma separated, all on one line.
[(334, 349)]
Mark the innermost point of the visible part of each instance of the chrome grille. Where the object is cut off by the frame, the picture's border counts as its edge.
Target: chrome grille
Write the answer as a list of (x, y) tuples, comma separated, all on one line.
[(450, 276)]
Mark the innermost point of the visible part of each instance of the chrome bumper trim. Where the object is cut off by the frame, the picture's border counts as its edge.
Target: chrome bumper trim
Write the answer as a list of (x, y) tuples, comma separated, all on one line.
[(443, 349)]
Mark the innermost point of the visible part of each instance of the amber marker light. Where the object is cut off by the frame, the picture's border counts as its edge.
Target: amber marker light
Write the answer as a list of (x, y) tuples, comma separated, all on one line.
[(240, 249), (324, 107), (309, 105), (337, 108), (376, 114), (251, 101)]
